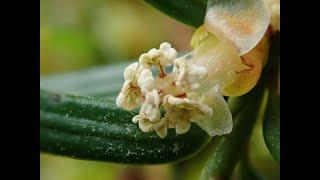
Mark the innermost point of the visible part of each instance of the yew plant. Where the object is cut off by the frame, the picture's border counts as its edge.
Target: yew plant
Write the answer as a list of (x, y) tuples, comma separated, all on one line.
[(167, 106)]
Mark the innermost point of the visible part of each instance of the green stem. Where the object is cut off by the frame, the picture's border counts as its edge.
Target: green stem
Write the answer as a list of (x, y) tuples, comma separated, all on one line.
[(246, 172), (245, 111), (273, 66), (271, 122)]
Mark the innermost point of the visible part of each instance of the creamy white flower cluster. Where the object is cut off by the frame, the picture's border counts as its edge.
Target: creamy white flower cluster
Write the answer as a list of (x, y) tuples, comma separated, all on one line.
[(175, 91)]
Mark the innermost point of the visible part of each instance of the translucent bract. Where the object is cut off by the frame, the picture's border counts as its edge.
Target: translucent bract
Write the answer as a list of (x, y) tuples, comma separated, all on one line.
[(239, 23)]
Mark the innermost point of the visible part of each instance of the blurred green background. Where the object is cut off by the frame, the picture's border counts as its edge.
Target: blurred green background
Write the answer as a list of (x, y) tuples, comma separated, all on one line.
[(76, 34)]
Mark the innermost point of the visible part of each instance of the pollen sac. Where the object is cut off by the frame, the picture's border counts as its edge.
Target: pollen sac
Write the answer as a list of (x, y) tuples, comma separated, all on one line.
[(239, 23)]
